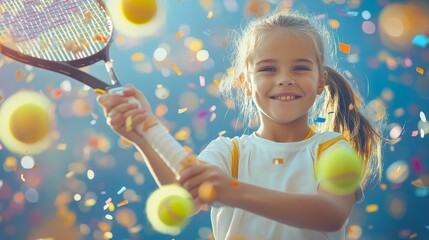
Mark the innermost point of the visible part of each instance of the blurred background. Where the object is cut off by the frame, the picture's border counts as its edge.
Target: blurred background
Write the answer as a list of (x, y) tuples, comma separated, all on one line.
[(177, 57)]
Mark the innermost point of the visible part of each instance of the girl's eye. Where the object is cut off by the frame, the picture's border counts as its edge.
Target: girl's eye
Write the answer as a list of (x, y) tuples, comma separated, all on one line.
[(267, 69), (301, 68)]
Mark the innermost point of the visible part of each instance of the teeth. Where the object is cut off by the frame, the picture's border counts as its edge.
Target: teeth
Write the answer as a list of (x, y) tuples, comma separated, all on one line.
[(285, 98)]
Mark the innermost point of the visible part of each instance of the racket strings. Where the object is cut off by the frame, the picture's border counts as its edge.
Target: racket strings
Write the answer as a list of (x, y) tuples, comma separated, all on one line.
[(55, 30)]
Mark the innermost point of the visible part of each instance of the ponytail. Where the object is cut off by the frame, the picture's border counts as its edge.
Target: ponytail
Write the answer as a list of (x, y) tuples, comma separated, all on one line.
[(345, 116)]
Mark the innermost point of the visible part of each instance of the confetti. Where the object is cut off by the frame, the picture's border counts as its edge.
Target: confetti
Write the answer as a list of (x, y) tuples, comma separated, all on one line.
[(235, 184), (345, 48), (62, 147), (176, 69), (138, 56), (334, 23), (100, 38), (88, 17), (212, 117), (420, 40), (277, 161), (420, 70), (208, 32), (210, 14), (129, 123), (22, 177), (417, 165), (422, 116), (121, 190), (111, 206), (125, 202), (221, 133), (109, 217), (371, 208), (216, 82), (188, 149), (202, 81), (182, 110), (20, 74), (320, 119), (73, 46), (179, 34), (414, 133)]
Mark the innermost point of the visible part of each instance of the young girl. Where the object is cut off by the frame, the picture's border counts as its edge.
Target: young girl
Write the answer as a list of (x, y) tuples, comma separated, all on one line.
[(271, 191)]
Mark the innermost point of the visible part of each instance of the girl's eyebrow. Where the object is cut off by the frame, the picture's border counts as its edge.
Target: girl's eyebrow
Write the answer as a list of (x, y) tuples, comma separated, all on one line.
[(306, 60), (271, 60), (268, 60)]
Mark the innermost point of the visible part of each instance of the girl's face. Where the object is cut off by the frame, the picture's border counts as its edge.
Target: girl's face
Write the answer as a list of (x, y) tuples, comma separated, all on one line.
[(285, 77)]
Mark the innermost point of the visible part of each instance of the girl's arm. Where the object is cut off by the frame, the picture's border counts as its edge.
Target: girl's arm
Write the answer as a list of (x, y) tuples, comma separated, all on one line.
[(321, 212)]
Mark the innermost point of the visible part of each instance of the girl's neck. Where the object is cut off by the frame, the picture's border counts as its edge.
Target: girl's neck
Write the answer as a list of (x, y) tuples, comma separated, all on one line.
[(291, 132)]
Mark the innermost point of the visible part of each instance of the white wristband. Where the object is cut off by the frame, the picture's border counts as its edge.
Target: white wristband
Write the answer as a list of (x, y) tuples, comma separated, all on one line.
[(165, 145)]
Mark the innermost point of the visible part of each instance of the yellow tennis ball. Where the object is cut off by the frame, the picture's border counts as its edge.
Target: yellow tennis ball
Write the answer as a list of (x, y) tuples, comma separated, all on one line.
[(139, 11), (29, 123), (175, 210), (339, 171)]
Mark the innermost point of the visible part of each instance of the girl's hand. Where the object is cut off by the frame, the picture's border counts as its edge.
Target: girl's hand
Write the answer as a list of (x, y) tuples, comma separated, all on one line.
[(117, 109), (192, 177)]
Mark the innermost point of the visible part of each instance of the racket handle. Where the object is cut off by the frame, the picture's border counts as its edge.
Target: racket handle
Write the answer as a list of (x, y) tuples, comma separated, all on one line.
[(160, 139)]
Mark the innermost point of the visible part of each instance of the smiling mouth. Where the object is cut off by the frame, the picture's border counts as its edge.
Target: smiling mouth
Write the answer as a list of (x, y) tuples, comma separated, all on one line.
[(285, 98)]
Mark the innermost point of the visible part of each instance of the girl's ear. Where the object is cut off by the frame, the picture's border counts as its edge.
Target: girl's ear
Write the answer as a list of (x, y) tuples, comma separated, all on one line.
[(322, 82)]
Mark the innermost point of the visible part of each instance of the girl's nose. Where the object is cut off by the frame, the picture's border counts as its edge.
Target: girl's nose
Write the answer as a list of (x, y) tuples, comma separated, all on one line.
[(285, 80)]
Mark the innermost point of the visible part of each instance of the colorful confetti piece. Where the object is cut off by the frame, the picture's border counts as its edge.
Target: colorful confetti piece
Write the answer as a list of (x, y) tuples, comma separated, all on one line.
[(176, 69), (345, 48), (420, 40), (202, 81), (125, 202), (422, 116), (420, 70), (182, 110), (129, 123), (179, 34), (210, 14), (121, 190), (277, 161), (371, 208)]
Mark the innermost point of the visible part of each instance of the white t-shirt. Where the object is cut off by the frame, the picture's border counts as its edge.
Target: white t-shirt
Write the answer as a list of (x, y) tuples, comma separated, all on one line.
[(260, 164)]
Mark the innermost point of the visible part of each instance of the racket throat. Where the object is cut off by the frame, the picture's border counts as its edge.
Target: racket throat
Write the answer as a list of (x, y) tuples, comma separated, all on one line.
[(109, 68)]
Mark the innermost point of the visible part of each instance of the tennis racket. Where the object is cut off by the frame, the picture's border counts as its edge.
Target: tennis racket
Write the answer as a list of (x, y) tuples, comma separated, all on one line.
[(60, 36)]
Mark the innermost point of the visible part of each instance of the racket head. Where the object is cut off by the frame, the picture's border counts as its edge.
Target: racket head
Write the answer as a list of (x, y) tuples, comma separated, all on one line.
[(76, 32)]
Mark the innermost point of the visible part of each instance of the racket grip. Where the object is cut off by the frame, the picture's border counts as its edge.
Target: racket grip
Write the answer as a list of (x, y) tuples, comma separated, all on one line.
[(160, 140)]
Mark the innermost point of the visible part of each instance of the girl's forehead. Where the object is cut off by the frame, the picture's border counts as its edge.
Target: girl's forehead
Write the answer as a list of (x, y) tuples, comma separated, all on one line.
[(280, 43)]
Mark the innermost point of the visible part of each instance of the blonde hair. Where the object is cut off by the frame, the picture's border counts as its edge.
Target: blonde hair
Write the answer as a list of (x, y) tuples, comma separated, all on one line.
[(339, 97)]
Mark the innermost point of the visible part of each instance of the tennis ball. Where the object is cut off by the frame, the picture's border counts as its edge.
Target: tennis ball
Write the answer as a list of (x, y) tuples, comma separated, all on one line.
[(139, 11), (29, 123), (174, 210), (339, 171)]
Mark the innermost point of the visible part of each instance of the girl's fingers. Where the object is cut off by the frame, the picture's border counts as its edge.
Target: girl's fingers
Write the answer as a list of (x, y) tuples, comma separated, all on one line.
[(138, 120), (190, 172), (116, 120), (125, 107), (134, 112), (109, 101), (194, 193)]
